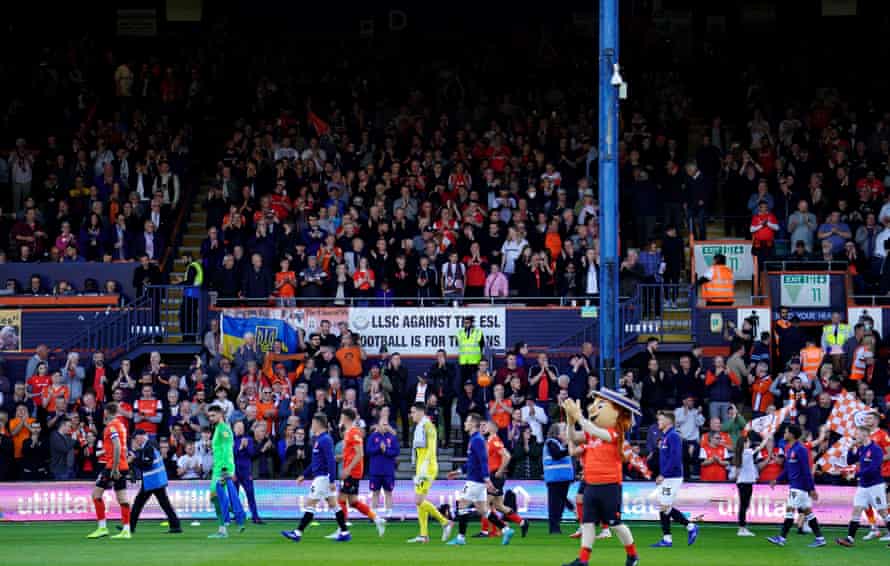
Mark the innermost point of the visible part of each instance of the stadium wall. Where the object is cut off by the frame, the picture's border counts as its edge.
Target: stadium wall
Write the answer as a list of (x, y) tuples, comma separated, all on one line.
[(283, 499)]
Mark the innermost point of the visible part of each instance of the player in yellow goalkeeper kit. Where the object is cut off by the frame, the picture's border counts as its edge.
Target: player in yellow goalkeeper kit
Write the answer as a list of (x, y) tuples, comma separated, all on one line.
[(423, 454)]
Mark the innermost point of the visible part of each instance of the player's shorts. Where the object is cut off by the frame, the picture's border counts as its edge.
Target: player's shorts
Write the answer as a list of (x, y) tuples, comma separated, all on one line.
[(386, 483), (473, 491), (422, 486), (602, 504), (874, 496), (320, 488), (349, 486), (104, 481), (498, 484), (668, 491), (799, 499)]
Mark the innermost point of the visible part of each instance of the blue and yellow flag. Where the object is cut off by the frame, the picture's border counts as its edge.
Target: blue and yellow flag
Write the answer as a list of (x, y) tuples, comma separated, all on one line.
[(266, 330)]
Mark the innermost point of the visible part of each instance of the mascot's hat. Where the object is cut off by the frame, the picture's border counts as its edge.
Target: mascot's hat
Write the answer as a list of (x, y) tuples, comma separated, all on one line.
[(619, 400)]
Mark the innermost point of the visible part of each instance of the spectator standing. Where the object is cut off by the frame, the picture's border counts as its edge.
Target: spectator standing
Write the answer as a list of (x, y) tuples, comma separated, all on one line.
[(471, 345), (698, 195), (744, 460), (714, 460), (542, 381), (763, 233), (721, 385), (689, 421), (802, 225), (534, 416), (61, 445)]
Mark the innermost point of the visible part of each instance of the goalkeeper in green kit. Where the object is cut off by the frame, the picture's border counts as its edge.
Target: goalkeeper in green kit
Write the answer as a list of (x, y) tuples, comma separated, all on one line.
[(223, 492)]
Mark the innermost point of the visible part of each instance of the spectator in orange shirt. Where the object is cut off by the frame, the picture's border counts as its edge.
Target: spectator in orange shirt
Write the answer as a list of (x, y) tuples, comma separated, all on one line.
[(285, 283), (714, 459), (350, 357), (57, 390), (20, 431), (715, 426), (760, 384), (500, 410), (267, 409)]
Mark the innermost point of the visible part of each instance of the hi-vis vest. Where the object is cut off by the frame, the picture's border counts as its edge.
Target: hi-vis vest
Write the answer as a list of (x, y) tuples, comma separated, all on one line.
[(810, 360), (469, 352), (832, 338), (720, 289), (156, 477), (857, 370), (195, 289), (557, 470)]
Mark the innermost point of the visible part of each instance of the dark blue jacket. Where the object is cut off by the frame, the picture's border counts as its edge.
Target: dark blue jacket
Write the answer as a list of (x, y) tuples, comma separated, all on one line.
[(382, 462), (244, 456), (869, 459), (797, 468), (476, 467), (323, 463), (670, 454)]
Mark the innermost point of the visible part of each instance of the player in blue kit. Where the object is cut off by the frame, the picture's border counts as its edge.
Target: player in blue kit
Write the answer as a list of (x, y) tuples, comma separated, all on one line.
[(802, 490), (323, 473), (669, 482), (871, 490), (475, 491)]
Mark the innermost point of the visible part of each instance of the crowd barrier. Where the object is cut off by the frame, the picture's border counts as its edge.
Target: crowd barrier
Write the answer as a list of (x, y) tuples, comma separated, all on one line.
[(284, 499)]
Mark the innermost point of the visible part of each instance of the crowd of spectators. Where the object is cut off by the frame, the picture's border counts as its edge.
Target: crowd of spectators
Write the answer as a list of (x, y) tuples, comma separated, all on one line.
[(103, 185)]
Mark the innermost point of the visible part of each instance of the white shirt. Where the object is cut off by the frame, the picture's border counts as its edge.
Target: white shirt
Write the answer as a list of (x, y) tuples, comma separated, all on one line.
[(748, 472), (882, 237), (592, 280), (689, 421), (190, 466), (420, 396), (535, 419), (511, 251)]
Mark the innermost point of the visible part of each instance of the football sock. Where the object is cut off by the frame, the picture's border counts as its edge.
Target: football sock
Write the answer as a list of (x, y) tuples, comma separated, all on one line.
[(852, 528), (495, 520), (345, 508), (579, 512), (100, 511), (341, 520), (306, 520), (786, 526), (125, 514), (679, 517), (814, 524), (513, 517), (584, 555), (434, 513), (870, 515), (365, 510), (423, 515), (485, 525), (631, 550), (665, 523)]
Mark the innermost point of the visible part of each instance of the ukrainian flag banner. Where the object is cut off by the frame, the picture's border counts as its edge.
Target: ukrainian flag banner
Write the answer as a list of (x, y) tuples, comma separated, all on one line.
[(266, 330)]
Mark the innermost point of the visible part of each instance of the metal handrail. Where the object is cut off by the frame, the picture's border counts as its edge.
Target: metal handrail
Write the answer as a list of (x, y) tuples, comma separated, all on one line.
[(407, 301), (117, 332)]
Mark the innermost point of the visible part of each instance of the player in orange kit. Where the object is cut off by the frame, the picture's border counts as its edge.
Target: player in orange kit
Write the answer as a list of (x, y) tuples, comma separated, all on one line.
[(610, 417), (114, 458), (498, 462), (351, 472)]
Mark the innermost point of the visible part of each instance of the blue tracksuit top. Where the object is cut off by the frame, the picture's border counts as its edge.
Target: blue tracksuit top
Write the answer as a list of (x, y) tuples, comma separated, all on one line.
[(670, 454)]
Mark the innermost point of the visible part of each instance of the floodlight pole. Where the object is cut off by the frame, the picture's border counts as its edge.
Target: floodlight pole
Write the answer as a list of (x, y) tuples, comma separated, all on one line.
[(610, 361)]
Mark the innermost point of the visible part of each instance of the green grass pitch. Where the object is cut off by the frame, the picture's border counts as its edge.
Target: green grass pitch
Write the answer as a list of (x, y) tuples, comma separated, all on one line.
[(64, 544)]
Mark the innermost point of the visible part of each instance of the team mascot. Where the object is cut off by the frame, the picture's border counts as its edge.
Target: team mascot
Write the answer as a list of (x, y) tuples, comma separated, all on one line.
[(599, 447)]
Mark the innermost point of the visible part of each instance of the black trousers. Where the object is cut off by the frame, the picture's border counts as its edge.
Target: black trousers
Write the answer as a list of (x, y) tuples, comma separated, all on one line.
[(161, 495), (557, 494), (745, 491)]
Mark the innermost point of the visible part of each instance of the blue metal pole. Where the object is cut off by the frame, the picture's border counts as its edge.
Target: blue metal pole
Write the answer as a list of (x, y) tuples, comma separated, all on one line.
[(608, 193)]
